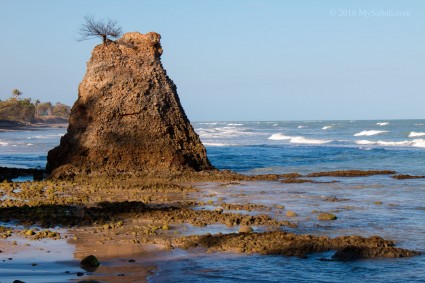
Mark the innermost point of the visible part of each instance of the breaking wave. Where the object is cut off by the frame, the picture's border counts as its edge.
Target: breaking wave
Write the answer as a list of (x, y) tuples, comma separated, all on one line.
[(326, 127), (414, 143), (416, 134), (3, 143), (46, 136), (297, 139), (369, 133), (382, 123), (222, 132)]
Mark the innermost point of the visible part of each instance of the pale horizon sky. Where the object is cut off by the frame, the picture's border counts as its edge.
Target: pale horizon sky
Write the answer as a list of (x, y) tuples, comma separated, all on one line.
[(237, 60)]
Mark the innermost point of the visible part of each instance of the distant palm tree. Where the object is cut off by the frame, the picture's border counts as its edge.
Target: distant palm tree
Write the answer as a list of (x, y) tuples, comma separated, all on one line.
[(36, 103)]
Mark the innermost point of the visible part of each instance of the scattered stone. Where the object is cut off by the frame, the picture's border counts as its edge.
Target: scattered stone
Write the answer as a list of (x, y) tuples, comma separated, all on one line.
[(131, 260), (219, 209), (165, 227), (80, 273), (90, 263), (245, 229), (326, 216), (378, 202), (29, 233), (291, 213), (18, 281)]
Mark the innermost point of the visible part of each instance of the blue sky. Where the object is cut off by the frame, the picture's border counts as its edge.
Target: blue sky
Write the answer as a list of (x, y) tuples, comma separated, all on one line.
[(240, 59)]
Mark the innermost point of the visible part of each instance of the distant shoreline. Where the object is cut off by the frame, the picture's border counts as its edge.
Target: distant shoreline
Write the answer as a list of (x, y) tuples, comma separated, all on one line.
[(11, 126)]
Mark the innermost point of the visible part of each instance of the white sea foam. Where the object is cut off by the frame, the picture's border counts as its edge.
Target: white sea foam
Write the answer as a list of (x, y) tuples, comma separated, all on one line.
[(414, 143), (304, 140), (3, 143), (369, 133), (326, 127), (46, 136), (207, 123), (222, 132), (419, 142), (234, 124), (297, 139), (382, 123), (278, 137), (301, 127), (416, 134), (217, 144)]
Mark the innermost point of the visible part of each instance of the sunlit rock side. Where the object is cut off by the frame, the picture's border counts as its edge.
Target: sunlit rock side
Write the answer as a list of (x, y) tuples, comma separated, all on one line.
[(128, 117)]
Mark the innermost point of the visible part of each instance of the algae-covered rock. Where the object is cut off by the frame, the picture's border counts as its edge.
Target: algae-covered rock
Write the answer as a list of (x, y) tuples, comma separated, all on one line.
[(29, 233), (291, 213), (325, 216)]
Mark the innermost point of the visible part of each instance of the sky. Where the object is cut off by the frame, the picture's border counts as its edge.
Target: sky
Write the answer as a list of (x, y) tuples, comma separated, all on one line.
[(237, 60)]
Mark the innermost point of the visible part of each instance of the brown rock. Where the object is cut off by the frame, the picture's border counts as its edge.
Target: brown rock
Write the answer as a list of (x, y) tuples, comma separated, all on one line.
[(245, 229), (283, 243), (128, 116), (404, 177), (326, 216), (291, 213)]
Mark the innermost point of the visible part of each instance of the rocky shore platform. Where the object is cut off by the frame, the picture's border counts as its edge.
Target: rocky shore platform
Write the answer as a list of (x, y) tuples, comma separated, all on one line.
[(112, 217)]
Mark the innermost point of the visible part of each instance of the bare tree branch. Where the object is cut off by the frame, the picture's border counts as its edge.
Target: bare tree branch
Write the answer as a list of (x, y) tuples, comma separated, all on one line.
[(104, 29)]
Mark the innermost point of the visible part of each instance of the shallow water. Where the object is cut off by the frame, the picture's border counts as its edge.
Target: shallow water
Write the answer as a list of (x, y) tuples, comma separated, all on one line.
[(375, 205), (45, 261), (226, 267), (399, 217)]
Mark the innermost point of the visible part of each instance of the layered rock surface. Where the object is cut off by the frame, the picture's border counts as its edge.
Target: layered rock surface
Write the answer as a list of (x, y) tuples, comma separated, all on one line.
[(128, 117)]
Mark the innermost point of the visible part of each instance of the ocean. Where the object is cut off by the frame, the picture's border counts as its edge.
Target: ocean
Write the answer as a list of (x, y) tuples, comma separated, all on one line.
[(375, 205)]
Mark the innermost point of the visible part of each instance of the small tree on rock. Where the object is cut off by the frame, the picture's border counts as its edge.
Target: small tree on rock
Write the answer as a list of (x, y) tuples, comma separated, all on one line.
[(105, 29), (16, 93)]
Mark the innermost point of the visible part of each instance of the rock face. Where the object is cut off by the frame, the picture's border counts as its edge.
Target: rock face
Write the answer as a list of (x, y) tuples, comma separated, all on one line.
[(128, 117)]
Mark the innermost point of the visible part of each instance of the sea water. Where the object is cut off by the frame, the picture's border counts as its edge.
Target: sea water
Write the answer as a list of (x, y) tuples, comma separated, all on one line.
[(376, 205)]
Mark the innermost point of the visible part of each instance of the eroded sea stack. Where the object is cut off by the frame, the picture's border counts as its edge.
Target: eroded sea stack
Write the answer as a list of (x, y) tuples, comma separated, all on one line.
[(128, 116)]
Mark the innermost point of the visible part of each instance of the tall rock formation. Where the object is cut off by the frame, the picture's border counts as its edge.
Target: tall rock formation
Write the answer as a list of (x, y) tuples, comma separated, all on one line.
[(128, 117)]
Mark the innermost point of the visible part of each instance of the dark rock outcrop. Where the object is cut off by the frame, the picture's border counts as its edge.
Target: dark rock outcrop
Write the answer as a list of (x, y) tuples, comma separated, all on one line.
[(7, 173), (128, 117)]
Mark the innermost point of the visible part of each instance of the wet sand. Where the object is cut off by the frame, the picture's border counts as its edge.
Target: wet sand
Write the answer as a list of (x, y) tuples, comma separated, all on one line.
[(131, 223)]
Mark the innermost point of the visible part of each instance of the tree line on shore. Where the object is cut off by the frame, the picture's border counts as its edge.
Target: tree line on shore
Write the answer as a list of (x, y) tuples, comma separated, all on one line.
[(25, 110)]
